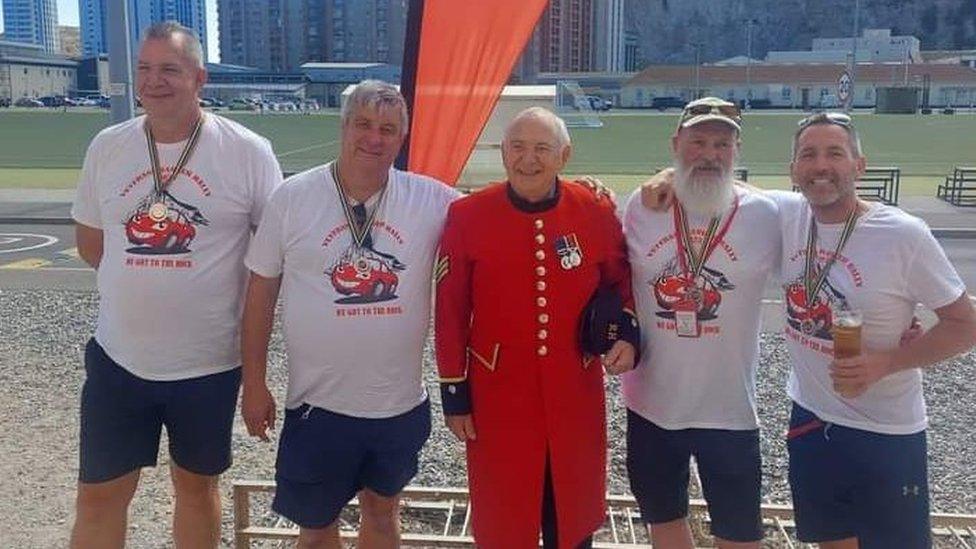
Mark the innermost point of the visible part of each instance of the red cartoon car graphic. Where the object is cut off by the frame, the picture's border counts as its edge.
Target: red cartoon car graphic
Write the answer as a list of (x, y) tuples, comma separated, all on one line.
[(174, 231), (809, 320), (678, 293), (365, 276)]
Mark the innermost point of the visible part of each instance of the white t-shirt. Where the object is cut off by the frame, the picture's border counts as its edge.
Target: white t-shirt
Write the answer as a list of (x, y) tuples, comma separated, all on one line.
[(705, 382), (355, 320), (171, 280), (890, 263)]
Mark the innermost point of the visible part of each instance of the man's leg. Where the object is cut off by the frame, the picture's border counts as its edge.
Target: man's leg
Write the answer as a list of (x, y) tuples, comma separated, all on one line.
[(658, 467), (196, 519), (199, 416), (730, 468), (379, 524), (320, 538), (675, 533), (101, 512), (849, 543), (392, 449), (820, 481), (119, 434)]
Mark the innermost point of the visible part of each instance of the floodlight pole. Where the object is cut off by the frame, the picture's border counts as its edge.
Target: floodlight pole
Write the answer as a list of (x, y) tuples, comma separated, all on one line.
[(749, 23), (119, 60), (849, 104), (697, 46)]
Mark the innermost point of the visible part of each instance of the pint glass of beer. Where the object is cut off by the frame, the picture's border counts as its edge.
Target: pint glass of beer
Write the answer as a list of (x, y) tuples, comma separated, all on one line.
[(846, 330)]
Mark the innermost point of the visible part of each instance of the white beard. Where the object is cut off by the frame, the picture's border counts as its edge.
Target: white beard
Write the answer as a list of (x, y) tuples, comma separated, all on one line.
[(703, 193)]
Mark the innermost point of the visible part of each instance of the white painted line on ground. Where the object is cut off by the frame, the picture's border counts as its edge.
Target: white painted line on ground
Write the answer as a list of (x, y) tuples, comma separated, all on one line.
[(13, 238), (309, 148), (33, 263)]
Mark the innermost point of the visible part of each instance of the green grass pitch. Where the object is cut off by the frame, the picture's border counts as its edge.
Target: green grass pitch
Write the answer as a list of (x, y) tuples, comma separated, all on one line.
[(45, 149)]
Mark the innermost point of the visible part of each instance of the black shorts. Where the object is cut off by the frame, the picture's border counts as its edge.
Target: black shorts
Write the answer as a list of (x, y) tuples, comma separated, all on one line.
[(853, 483), (325, 458), (729, 465), (122, 417)]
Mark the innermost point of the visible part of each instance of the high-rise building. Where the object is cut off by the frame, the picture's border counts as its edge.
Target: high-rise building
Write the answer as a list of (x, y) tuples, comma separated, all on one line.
[(281, 35), (142, 13), (32, 22), (608, 32), (575, 36), (257, 33)]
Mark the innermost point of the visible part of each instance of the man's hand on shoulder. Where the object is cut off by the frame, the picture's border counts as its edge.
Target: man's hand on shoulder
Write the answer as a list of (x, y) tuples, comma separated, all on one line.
[(598, 188), (657, 193)]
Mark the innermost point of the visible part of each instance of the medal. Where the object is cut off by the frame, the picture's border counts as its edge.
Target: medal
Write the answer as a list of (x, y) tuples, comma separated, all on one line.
[(569, 251), (808, 327), (686, 322), (813, 279), (360, 232), (158, 211)]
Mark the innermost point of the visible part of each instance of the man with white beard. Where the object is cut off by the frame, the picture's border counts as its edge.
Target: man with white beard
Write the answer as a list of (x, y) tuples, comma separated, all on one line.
[(699, 271)]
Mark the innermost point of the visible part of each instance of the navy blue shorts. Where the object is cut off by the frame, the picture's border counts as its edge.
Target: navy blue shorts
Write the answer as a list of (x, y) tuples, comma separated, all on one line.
[(122, 417), (854, 483), (325, 458), (729, 465)]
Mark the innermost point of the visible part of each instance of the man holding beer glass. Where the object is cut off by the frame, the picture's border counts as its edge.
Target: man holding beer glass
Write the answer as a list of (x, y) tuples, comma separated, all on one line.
[(853, 272)]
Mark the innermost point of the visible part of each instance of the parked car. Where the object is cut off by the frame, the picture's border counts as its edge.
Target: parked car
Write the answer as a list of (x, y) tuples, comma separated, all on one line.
[(241, 104), (4, 102), (667, 102), (28, 102)]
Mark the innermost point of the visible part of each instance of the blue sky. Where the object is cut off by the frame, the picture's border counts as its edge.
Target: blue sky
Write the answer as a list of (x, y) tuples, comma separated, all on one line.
[(68, 15)]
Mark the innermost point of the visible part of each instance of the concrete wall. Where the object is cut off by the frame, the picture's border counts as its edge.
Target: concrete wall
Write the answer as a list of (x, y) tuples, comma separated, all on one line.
[(22, 80)]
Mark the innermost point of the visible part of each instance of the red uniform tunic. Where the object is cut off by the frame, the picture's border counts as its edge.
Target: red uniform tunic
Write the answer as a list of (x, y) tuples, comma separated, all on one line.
[(511, 286)]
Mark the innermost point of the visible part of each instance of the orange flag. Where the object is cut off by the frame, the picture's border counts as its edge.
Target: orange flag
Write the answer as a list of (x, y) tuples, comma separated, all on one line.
[(466, 53)]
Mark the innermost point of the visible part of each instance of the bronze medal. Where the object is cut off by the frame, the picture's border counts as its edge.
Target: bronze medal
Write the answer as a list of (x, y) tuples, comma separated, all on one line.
[(158, 211), (808, 326)]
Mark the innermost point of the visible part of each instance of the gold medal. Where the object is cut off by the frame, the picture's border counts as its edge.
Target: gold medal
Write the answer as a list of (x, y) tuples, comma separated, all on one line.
[(808, 327), (158, 211)]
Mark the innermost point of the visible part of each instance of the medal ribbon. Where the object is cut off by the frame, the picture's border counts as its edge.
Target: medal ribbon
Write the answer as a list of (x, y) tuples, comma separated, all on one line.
[(692, 263), (812, 280), (359, 233), (157, 171)]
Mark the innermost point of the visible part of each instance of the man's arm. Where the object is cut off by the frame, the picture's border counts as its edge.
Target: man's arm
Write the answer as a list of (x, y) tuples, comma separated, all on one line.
[(954, 333), (452, 321), (90, 242), (257, 404)]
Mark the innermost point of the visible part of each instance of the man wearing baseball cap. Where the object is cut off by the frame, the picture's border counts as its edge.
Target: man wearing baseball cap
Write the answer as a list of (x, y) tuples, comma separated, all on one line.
[(698, 276)]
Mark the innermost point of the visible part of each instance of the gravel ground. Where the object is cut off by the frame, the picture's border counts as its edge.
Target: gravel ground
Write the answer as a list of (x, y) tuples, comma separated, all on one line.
[(42, 334)]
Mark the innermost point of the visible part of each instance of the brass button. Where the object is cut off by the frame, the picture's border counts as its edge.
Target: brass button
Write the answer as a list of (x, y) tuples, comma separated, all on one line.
[(540, 301), (542, 350), (543, 318), (540, 285), (543, 334), (539, 224), (540, 255), (540, 271), (540, 238)]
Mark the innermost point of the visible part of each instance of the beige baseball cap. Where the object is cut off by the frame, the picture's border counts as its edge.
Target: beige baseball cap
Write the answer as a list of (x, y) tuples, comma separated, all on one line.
[(711, 108)]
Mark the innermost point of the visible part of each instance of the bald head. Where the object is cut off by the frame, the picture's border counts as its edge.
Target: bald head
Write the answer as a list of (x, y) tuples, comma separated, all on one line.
[(539, 116)]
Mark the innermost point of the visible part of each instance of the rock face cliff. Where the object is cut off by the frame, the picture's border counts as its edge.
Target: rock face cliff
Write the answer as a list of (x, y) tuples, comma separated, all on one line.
[(667, 29)]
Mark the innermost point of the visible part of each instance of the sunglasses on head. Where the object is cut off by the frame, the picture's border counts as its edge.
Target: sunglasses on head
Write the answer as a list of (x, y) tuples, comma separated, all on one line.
[(730, 111), (837, 118)]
